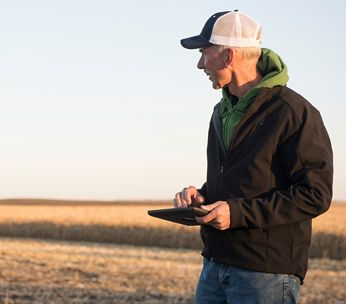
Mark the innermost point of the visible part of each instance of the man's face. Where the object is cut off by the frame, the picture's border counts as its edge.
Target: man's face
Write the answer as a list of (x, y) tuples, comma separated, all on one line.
[(214, 63)]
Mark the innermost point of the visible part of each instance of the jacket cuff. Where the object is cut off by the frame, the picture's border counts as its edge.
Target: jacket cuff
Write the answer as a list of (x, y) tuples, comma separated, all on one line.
[(203, 191), (235, 212)]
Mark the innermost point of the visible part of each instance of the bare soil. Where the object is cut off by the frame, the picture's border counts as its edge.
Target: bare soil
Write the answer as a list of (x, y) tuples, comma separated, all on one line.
[(35, 271)]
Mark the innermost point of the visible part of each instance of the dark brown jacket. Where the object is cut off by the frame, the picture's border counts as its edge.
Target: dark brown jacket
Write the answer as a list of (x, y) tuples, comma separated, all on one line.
[(276, 176)]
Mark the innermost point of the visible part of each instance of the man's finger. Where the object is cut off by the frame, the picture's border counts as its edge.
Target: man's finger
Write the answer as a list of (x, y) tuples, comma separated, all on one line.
[(186, 193), (177, 201), (210, 206), (207, 218), (215, 222), (199, 198), (183, 202), (174, 203)]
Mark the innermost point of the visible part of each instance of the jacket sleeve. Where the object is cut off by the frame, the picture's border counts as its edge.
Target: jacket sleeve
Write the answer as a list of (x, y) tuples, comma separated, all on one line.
[(307, 161), (203, 190)]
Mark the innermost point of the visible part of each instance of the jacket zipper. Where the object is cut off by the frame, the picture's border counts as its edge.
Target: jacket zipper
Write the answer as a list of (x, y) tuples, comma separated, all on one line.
[(226, 159), (230, 148), (220, 181), (265, 230), (233, 138)]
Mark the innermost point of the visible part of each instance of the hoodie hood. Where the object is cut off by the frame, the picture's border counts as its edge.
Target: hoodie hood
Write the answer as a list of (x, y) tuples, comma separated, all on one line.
[(272, 69)]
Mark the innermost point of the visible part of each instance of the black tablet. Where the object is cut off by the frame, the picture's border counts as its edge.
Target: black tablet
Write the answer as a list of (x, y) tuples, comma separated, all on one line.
[(185, 216)]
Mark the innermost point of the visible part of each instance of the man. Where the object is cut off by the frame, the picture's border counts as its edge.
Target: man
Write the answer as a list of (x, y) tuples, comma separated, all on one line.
[(269, 170)]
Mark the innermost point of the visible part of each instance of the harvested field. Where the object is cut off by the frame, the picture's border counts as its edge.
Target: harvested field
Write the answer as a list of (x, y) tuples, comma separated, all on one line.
[(121, 224), (35, 272), (128, 223)]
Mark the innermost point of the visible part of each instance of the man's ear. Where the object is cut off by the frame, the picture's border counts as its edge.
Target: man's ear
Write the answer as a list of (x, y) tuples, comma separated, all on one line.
[(228, 57)]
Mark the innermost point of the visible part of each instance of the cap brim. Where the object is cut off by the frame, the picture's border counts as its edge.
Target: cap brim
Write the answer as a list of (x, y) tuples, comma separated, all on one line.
[(195, 42)]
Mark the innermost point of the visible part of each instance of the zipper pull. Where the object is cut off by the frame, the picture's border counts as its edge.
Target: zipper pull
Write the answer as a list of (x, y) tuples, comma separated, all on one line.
[(221, 169)]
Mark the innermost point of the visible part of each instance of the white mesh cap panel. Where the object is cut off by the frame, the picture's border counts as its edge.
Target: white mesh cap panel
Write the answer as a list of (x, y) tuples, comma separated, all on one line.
[(236, 29)]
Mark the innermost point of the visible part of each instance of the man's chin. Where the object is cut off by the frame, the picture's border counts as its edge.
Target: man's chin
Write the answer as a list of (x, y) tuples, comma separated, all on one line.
[(216, 86)]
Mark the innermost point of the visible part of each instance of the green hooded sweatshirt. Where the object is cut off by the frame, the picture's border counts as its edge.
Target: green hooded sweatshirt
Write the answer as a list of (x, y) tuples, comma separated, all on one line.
[(273, 72)]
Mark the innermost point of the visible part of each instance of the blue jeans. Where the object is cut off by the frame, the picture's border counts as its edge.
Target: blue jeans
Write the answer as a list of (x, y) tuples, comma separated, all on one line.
[(221, 283)]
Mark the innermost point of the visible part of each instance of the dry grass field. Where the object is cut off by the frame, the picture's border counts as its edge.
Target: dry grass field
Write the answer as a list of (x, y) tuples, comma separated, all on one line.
[(121, 223), (128, 223), (59, 272), (55, 271)]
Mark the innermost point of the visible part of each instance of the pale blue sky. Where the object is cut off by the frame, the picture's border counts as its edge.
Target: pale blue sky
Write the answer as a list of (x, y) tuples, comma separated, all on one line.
[(100, 101)]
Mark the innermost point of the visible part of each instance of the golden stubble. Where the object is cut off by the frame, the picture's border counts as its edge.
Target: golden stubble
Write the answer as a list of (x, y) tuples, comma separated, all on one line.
[(130, 224)]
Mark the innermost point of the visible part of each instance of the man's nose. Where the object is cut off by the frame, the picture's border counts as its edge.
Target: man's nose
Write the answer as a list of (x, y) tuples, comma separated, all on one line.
[(200, 64)]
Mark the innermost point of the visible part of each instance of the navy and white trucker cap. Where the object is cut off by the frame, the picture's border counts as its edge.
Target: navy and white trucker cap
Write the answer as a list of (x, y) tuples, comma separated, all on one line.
[(230, 28)]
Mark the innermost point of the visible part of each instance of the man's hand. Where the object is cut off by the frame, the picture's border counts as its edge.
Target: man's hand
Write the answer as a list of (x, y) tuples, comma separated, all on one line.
[(189, 196), (219, 216)]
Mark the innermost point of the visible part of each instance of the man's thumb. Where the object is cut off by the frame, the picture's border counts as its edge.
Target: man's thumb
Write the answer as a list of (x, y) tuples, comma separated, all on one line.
[(199, 198), (209, 207)]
